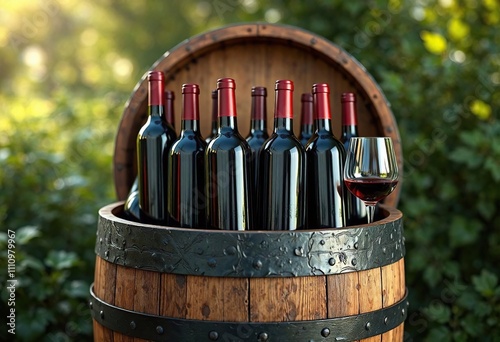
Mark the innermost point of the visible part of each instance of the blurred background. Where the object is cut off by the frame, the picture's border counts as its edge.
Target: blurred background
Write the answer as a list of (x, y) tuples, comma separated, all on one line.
[(67, 68)]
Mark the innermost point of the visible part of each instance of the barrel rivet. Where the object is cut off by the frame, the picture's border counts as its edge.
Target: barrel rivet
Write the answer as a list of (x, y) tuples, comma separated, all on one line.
[(331, 262), (101, 314), (231, 250), (263, 336), (91, 305), (213, 336), (257, 264), (298, 251), (386, 320), (132, 325), (212, 262), (325, 332), (402, 312), (106, 254), (368, 326), (159, 330)]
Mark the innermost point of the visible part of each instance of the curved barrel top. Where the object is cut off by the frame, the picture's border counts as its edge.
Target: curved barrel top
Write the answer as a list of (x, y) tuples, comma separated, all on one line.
[(250, 253), (257, 54)]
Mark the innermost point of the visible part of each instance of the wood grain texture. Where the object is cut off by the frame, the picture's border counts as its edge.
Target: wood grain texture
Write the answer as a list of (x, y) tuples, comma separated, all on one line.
[(213, 298), (343, 294), (104, 287), (287, 299), (125, 287)]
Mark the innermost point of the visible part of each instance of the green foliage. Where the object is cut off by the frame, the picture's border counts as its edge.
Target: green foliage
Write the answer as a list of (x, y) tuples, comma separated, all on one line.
[(437, 62)]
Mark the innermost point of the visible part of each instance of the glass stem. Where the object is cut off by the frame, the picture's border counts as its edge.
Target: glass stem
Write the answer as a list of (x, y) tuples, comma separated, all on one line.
[(370, 211)]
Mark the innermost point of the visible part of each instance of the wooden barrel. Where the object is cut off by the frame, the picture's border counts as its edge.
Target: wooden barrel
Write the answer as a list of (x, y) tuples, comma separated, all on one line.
[(257, 55), (175, 284)]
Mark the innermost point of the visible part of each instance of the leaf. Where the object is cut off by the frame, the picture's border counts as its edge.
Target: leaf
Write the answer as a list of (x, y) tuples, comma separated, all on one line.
[(463, 231), (485, 283), (438, 312), (77, 289), (432, 275), (441, 334), (26, 234), (60, 260), (468, 156), (480, 109), (434, 42)]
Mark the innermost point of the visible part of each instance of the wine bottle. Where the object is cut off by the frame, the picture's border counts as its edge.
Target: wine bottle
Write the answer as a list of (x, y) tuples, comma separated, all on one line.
[(258, 128), (282, 168), (153, 141), (186, 166), (325, 160), (228, 165), (131, 206), (355, 208), (215, 122), (306, 118), (169, 110)]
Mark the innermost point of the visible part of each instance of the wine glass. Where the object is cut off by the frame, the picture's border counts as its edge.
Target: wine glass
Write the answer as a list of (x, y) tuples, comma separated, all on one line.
[(371, 170)]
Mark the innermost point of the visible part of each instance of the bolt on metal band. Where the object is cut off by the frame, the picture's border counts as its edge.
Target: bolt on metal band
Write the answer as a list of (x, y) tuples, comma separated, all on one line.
[(158, 328)]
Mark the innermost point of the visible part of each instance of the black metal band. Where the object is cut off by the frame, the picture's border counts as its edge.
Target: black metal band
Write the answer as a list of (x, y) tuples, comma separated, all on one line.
[(158, 328), (250, 253)]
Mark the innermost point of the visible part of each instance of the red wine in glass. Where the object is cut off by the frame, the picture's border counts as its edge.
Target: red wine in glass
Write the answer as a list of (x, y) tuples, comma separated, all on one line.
[(371, 189), (371, 170)]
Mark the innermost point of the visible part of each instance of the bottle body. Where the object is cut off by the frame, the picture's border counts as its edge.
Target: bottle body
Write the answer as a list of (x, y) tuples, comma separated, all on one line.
[(153, 141), (186, 167), (355, 208), (325, 158), (258, 129), (131, 206), (306, 118), (228, 165), (282, 169)]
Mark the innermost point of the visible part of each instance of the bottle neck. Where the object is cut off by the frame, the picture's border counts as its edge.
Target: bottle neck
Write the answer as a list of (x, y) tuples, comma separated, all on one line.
[(283, 124), (323, 125), (155, 97), (228, 123), (227, 103), (349, 115), (169, 111), (349, 120), (283, 105), (306, 114), (349, 130), (306, 129), (214, 112), (258, 113), (258, 125), (155, 110), (190, 125)]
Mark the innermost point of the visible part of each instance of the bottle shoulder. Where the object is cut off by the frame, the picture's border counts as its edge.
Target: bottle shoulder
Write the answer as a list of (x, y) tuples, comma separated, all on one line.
[(189, 142), (324, 142), (156, 127), (228, 140), (256, 140), (283, 142)]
